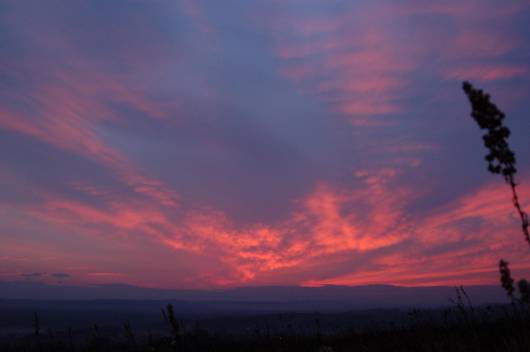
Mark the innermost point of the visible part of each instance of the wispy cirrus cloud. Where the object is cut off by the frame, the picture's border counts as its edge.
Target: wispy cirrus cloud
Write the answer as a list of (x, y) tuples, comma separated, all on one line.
[(361, 59), (280, 143)]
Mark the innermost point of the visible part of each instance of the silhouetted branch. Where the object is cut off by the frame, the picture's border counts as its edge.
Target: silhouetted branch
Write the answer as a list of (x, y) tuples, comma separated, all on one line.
[(506, 278), (36, 324), (172, 322), (501, 159)]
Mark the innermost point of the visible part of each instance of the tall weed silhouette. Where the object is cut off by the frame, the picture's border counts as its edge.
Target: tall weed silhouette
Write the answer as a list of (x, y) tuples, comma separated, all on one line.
[(501, 160)]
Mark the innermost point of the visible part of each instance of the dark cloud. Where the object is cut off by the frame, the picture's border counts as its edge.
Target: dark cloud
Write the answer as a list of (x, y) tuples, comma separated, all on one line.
[(33, 274), (60, 275)]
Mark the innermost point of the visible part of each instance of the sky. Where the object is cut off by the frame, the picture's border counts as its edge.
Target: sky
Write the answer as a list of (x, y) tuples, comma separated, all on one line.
[(206, 144)]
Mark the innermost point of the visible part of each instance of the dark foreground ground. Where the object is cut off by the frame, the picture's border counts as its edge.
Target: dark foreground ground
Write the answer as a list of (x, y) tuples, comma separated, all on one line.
[(459, 328)]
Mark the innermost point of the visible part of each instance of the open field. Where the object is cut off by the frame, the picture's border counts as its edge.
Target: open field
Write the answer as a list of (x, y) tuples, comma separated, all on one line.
[(460, 327)]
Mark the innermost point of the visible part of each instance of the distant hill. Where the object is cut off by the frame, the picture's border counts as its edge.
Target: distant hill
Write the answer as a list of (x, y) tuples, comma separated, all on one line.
[(287, 297)]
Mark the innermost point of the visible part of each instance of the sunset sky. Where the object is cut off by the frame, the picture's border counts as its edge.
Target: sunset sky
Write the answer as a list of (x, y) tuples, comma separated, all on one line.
[(203, 144)]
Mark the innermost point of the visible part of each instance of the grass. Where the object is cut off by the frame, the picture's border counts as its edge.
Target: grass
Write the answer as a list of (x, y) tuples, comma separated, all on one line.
[(461, 328)]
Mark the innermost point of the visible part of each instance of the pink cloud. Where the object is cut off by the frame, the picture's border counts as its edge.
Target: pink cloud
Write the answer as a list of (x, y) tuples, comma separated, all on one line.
[(488, 73), (326, 227), (69, 117), (362, 68), (359, 65)]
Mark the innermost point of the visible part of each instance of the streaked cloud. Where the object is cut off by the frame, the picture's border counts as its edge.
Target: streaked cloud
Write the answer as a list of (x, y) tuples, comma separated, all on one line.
[(200, 145)]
